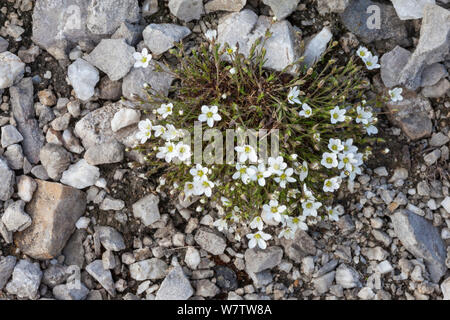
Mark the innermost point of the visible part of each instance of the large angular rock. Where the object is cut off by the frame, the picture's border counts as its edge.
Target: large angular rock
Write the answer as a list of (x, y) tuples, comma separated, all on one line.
[(161, 37), (81, 175), (11, 69), (22, 104), (423, 240), (281, 48), (225, 5), (26, 279), (301, 246), (433, 46), (175, 286), (114, 57), (317, 46), (105, 16), (147, 209), (6, 269), (410, 9), (282, 9), (8, 179), (411, 115), (210, 241), (150, 269), (110, 152), (159, 81), (258, 260), (356, 18), (54, 210), (186, 10), (392, 63), (83, 77), (55, 160), (104, 277)]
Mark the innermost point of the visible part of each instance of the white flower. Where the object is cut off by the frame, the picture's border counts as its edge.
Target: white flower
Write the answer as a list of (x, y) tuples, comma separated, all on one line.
[(351, 174), (396, 94), (273, 211), (372, 62), (337, 115), (260, 174), (203, 187), (246, 152), (189, 189), (142, 58), (363, 53), (211, 34), (333, 214), (346, 161), (259, 238), (168, 152), (231, 50), (287, 233), (145, 130), (371, 129), (225, 201), (165, 110), (293, 95), (308, 194), (236, 215), (296, 223), (335, 145), (329, 160), (183, 151), (232, 71), (331, 185), (363, 116), (285, 177), (171, 133), (316, 136), (349, 147), (209, 115), (221, 224), (306, 112), (243, 172), (310, 208), (159, 130), (303, 171), (277, 165), (199, 172), (257, 223)]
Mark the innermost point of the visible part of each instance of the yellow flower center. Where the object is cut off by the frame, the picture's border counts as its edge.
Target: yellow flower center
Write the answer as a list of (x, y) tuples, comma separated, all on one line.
[(329, 160), (274, 209), (209, 114), (144, 59), (328, 183), (257, 236)]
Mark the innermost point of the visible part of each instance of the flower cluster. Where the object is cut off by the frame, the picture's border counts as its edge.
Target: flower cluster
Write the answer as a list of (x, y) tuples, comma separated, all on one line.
[(322, 118)]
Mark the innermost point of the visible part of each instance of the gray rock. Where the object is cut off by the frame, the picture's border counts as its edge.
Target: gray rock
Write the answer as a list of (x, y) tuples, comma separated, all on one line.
[(392, 63), (161, 37), (124, 118), (54, 275), (110, 90), (261, 279), (207, 289), (6, 269), (114, 57), (7, 235), (14, 156), (445, 288), (429, 50), (423, 240), (226, 278), (110, 152), (147, 209), (130, 32), (149, 7), (301, 246), (323, 283), (81, 175), (410, 9), (225, 5), (317, 46), (74, 250), (110, 238), (11, 69), (432, 74), (159, 81), (10, 136), (108, 260), (251, 28), (175, 286), (186, 10), (15, 218), (22, 104), (210, 241), (282, 9), (347, 277), (83, 77), (439, 139), (329, 6), (105, 16), (112, 204), (356, 17), (4, 44), (8, 179), (26, 279), (68, 292), (438, 90), (54, 210), (104, 277), (55, 160), (432, 157), (151, 269), (192, 258), (258, 260), (411, 115)]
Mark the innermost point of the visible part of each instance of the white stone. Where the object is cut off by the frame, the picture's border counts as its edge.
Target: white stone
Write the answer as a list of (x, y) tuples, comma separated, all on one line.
[(366, 293), (11, 69), (83, 77), (15, 218), (147, 209), (385, 267), (410, 9), (161, 37), (186, 10), (446, 204), (192, 258), (80, 175), (317, 46), (445, 288), (125, 117), (26, 187), (83, 223)]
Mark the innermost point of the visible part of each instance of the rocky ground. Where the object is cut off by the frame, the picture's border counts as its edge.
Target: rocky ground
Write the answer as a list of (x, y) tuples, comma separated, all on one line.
[(79, 221)]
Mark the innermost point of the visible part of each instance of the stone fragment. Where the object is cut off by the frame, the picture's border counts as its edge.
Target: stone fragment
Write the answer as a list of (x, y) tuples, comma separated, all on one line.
[(15, 218), (152, 269), (392, 63), (410, 9), (186, 10), (258, 260), (210, 241), (282, 9), (175, 286), (26, 279), (80, 175), (104, 277), (124, 118), (147, 209), (8, 179), (6, 269), (83, 77), (105, 153), (110, 238), (55, 160), (11, 69), (225, 5), (317, 46), (10, 136), (161, 37)]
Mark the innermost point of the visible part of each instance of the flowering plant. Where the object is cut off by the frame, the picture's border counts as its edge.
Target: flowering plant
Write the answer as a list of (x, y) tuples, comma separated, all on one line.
[(324, 127)]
